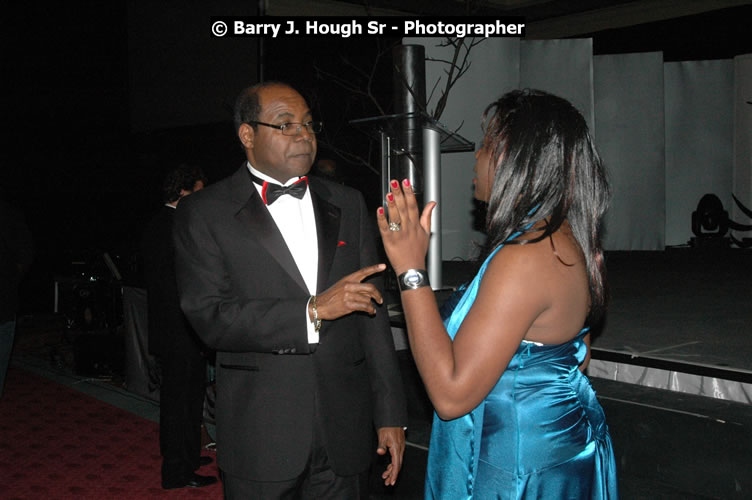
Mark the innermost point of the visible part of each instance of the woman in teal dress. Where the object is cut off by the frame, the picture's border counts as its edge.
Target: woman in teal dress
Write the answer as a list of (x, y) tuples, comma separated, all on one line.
[(515, 415)]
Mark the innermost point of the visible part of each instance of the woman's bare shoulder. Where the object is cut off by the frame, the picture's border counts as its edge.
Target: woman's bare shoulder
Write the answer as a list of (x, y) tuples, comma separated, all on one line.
[(518, 271), (526, 257), (549, 278)]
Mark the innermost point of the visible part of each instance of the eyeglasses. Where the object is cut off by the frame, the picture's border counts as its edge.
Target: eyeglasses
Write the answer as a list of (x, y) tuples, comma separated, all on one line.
[(293, 129)]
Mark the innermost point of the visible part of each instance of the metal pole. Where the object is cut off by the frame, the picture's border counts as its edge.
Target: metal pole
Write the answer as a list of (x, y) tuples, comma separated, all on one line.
[(409, 83), (386, 167), (432, 173)]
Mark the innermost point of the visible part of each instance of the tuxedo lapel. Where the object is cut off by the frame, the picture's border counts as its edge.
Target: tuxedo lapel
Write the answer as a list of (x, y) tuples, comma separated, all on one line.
[(327, 229), (254, 215)]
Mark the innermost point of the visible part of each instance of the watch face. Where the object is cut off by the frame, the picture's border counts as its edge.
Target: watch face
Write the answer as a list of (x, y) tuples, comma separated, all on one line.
[(413, 279)]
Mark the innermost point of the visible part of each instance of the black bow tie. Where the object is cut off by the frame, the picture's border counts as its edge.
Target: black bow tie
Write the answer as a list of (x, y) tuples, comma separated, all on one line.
[(270, 191)]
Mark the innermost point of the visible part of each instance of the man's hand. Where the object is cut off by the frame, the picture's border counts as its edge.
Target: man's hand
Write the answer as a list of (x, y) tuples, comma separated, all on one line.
[(349, 295), (392, 439)]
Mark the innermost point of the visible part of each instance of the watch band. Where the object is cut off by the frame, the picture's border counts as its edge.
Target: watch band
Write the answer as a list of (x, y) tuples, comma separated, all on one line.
[(412, 279)]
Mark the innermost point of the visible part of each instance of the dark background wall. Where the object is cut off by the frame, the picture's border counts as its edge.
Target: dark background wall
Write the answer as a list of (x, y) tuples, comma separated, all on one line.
[(102, 98)]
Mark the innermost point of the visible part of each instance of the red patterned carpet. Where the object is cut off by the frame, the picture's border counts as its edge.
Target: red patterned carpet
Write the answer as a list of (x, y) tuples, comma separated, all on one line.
[(56, 443)]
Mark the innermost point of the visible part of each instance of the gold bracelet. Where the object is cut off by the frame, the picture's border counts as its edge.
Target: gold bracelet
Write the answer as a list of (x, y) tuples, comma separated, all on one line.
[(316, 320)]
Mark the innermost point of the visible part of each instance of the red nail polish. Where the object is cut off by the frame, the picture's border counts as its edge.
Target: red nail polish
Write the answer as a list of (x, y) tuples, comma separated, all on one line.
[(381, 210), (390, 197), (406, 182), (395, 184)]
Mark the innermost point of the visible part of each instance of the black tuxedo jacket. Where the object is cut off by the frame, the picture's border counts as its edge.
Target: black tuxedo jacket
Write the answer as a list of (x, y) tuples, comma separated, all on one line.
[(169, 331), (244, 295)]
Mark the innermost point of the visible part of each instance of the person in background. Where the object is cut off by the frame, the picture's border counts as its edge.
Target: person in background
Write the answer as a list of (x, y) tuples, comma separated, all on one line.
[(327, 168), (176, 346), (515, 415), (16, 256)]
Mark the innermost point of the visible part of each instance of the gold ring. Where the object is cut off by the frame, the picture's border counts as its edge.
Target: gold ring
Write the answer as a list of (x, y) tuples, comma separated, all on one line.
[(394, 226)]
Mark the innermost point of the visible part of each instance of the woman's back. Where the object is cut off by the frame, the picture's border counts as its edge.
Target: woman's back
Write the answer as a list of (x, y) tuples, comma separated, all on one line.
[(540, 432), (544, 434), (557, 274)]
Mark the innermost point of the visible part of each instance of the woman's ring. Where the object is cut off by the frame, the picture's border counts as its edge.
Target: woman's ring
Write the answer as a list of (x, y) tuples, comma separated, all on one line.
[(394, 226)]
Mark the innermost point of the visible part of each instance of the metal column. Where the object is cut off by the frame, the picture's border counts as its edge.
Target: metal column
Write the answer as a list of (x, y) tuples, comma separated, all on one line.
[(432, 174), (409, 83), (386, 165)]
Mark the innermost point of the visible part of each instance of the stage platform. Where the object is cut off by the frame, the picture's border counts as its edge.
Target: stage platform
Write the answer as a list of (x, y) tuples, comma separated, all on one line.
[(679, 319)]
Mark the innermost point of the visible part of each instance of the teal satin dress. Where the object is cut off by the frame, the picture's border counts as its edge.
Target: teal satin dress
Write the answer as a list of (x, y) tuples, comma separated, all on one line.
[(540, 432)]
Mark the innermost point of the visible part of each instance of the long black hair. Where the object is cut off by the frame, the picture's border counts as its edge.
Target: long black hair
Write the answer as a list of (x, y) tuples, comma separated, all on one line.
[(546, 167)]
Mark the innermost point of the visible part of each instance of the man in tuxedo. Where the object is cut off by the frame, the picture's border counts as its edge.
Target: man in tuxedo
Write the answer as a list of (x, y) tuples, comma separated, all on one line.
[(174, 343), (274, 272)]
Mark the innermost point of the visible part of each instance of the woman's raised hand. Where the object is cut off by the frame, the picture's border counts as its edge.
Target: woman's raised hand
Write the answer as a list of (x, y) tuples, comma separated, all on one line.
[(405, 233)]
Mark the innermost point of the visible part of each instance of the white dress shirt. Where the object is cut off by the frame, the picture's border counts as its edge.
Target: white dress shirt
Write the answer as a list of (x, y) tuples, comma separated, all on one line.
[(296, 222)]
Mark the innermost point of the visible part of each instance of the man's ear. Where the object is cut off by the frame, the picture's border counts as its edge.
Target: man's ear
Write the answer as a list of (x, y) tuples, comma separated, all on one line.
[(246, 134)]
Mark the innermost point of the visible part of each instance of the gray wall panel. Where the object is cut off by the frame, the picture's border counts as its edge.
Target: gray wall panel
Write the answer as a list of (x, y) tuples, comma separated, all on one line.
[(742, 176), (699, 139), (561, 67), (629, 121)]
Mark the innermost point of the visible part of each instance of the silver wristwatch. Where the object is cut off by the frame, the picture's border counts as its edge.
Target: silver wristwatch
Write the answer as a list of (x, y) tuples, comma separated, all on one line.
[(412, 279)]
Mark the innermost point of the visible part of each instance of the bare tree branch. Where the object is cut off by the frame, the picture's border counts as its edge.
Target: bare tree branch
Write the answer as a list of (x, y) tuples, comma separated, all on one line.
[(456, 70), (350, 87), (351, 157), (433, 89), (360, 82), (410, 89)]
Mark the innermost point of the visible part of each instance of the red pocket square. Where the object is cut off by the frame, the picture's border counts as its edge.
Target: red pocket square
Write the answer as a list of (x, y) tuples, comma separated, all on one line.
[(341, 243)]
